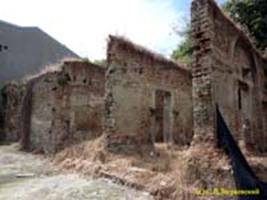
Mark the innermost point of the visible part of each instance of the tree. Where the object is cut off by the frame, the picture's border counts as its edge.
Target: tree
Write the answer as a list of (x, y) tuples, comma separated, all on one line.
[(183, 52), (252, 14), (101, 62)]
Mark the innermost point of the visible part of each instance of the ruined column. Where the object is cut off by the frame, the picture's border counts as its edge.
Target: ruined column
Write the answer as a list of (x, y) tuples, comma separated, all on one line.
[(203, 101)]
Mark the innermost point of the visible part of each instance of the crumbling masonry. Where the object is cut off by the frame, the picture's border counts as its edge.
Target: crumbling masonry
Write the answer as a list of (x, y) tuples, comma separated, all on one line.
[(140, 98), (67, 107), (148, 98), (227, 70), (11, 97)]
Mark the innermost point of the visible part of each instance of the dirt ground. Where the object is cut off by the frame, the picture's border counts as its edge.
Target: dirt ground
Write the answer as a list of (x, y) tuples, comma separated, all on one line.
[(87, 171), (24, 176), (167, 172)]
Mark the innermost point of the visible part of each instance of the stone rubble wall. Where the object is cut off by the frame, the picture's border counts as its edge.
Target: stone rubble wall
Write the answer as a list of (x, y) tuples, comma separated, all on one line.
[(67, 107), (12, 94), (133, 77), (82, 100)]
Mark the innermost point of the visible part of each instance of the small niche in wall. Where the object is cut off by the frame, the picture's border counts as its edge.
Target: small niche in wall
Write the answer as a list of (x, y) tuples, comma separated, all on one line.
[(67, 76), (54, 88), (243, 89), (246, 72), (138, 70)]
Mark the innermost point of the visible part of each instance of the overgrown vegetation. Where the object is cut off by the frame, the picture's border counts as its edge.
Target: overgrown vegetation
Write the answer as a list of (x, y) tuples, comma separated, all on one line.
[(46, 79), (101, 62), (63, 80), (183, 53), (85, 59), (252, 14)]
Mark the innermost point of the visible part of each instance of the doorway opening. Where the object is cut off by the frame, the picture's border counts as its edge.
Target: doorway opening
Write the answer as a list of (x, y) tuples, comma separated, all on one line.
[(161, 130), (244, 109)]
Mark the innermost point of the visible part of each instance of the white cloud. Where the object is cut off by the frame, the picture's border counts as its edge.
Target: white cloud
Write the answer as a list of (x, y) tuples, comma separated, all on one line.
[(83, 25)]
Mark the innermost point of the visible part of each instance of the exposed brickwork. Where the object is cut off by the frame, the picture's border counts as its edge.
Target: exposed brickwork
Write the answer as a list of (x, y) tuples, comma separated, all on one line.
[(143, 98), (67, 106), (134, 108), (203, 104), (229, 71)]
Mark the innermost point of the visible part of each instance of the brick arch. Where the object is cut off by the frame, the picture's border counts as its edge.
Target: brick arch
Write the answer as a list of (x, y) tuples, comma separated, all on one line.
[(236, 53), (233, 47)]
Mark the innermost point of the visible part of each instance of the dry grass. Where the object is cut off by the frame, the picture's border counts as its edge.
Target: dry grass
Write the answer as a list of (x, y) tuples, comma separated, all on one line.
[(51, 68), (47, 69), (156, 172), (167, 173)]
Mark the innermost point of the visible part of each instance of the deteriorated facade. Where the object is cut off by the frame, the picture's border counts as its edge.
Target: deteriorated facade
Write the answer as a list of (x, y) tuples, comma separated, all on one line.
[(228, 71), (142, 98), (67, 106), (27, 50), (12, 95), (148, 97)]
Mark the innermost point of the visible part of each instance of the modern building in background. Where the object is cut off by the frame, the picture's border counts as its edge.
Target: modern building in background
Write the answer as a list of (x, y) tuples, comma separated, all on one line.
[(26, 50)]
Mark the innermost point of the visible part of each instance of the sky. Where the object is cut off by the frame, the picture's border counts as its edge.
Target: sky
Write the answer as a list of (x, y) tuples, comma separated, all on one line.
[(84, 25)]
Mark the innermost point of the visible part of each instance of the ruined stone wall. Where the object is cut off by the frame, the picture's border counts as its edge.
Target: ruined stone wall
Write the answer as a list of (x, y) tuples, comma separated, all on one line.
[(2, 113), (263, 113), (136, 80), (227, 70), (12, 96), (67, 106)]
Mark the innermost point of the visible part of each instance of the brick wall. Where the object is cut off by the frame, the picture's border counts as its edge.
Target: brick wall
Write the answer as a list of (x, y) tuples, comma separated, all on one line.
[(135, 79), (203, 102), (67, 106), (229, 71)]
